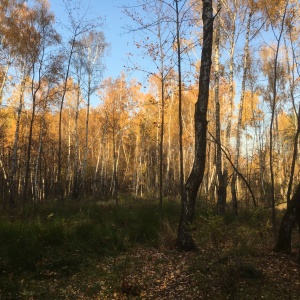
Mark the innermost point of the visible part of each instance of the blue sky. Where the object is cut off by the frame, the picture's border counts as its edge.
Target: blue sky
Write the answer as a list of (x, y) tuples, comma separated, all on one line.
[(115, 21)]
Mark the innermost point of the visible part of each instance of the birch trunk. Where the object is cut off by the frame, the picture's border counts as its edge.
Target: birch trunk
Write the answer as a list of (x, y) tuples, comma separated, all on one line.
[(161, 142), (240, 115), (157, 158), (114, 177), (181, 170), (86, 149), (273, 112), (169, 152), (3, 83), (36, 188), (76, 172), (184, 238), (60, 190), (297, 114), (14, 157), (35, 87), (221, 186), (231, 99)]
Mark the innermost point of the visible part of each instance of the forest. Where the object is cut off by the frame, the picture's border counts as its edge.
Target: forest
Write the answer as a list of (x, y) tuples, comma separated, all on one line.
[(177, 179)]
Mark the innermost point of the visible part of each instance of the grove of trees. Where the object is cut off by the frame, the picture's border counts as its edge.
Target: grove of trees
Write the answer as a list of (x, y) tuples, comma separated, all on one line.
[(65, 131)]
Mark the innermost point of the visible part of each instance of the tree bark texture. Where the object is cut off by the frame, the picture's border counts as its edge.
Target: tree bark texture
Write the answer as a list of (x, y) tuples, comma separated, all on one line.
[(34, 93), (162, 124), (297, 113), (181, 171), (273, 115), (65, 86), (184, 239), (239, 125), (14, 158), (292, 214), (221, 184), (76, 175)]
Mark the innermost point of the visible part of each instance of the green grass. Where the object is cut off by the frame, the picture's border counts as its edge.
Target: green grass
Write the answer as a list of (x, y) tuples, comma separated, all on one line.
[(106, 229), (54, 242), (61, 239), (97, 228)]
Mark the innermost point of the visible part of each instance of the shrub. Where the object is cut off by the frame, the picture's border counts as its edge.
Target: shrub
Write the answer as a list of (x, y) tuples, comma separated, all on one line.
[(23, 248), (53, 234)]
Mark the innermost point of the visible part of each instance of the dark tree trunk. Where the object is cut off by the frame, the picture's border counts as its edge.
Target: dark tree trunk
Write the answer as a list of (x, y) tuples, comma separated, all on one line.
[(295, 154), (34, 92), (233, 194), (181, 171), (292, 214), (221, 182), (222, 192), (273, 103), (184, 239)]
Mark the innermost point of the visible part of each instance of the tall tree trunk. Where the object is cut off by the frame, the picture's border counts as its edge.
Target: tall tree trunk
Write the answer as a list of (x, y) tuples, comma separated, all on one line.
[(5, 177), (291, 215), (239, 125), (157, 148), (69, 165), (34, 92), (161, 142), (221, 185), (137, 163), (181, 170), (76, 172), (115, 178), (261, 157), (14, 157), (4, 80), (101, 153), (294, 158), (36, 184), (103, 171), (162, 119), (297, 114), (231, 101), (169, 158), (184, 238), (86, 149), (60, 190), (273, 111)]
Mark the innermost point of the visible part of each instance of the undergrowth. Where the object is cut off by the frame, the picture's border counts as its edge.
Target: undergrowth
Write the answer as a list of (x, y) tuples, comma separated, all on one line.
[(60, 239), (97, 228)]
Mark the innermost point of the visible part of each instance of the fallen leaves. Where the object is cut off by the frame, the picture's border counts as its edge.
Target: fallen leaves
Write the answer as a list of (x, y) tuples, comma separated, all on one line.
[(151, 273), (157, 273)]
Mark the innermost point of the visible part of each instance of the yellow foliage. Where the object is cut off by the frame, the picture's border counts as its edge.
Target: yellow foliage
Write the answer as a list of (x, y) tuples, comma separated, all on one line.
[(287, 125), (274, 9), (251, 112)]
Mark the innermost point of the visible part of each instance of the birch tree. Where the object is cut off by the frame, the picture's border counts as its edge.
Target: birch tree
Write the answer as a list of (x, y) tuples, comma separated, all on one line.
[(240, 114), (274, 81), (78, 25), (184, 238), (44, 36), (157, 44), (89, 66)]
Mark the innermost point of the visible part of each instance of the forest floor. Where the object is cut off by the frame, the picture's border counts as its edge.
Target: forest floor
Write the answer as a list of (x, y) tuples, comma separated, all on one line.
[(234, 261)]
